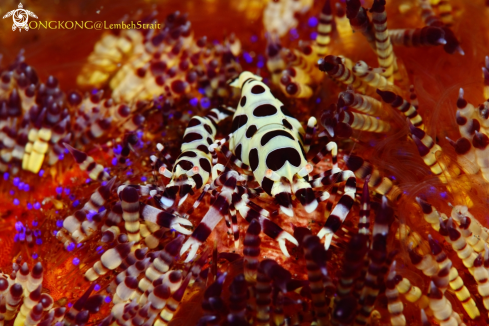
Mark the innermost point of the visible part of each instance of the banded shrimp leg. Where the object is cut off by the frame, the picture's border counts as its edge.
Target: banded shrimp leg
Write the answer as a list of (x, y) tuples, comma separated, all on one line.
[(158, 219), (344, 205), (240, 200), (220, 207)]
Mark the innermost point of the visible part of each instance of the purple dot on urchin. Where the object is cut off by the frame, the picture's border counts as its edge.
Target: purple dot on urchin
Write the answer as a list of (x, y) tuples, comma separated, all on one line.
[(71, 247), (29, 206), (59, 190), (16, 182), (5, 176), (118, 149), (194, 101), (37, 205), (16, 202), (96, 288), (312, 22), (76, 203), (59, 223), (76, 261), (19, 226), (260, 64), (248, 58), (90, 215), (107, 299), (293, 33), (205, 103)]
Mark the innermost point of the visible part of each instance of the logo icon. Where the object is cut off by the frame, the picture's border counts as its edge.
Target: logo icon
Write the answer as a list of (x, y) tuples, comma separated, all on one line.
[(20, 17)]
